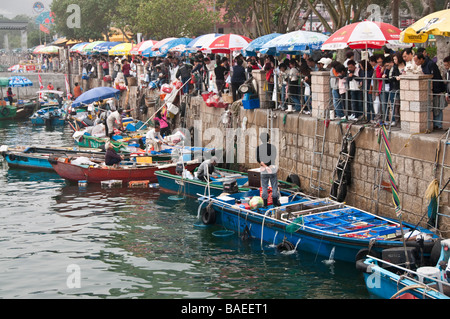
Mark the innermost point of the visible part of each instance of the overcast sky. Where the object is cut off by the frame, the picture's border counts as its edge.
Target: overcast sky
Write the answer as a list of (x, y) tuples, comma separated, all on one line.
[(12, 8)]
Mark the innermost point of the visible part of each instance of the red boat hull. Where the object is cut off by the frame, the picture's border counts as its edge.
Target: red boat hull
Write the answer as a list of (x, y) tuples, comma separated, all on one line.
[(77, 173)]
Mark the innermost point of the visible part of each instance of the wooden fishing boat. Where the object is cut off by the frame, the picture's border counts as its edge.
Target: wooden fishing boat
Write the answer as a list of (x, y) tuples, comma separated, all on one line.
[(51, 115), (389, 277), (11, 112), (317, 226), (125, 173), (37, 157), (191, 186)]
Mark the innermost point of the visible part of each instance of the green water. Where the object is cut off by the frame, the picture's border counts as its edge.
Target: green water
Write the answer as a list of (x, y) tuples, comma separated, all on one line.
[(61, 241)]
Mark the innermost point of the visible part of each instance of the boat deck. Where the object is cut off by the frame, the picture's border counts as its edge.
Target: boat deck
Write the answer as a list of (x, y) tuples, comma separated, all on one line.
[(340, 220)]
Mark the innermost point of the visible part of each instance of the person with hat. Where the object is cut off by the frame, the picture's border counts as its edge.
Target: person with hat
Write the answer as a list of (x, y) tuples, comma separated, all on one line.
[(323, 64), (207, 168)]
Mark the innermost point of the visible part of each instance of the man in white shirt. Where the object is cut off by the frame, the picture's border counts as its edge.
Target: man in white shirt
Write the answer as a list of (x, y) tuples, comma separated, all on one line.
[(113, 118), (154, 139)]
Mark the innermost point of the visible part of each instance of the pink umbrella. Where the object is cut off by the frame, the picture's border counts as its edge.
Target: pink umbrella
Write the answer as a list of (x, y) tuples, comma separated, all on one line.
[(228, 42), (363, 35), (159, 44), (140, 47)]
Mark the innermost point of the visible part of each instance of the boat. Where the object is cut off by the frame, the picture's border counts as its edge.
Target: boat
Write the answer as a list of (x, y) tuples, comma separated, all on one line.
[(318, 226), (95, 172), (189, 185), (12, 112), (52, 115), (37, 157), (389, 277)]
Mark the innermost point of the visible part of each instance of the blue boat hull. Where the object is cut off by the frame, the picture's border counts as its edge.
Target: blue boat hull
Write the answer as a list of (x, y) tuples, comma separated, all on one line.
[(385, 284), (52, 122), (29, 162), (174, 183), (270, 230)]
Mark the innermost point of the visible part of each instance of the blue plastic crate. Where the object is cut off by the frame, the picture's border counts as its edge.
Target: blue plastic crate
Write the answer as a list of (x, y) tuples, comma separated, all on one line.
[(250, 104)]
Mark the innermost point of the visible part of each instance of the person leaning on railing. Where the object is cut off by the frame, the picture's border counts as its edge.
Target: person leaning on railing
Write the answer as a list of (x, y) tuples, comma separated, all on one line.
[(438, 88), (447, 77)]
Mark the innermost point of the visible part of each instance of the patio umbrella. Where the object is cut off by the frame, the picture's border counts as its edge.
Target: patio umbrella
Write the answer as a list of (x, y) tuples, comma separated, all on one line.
[(51, 49), (88, 49), (77, 47), (96, 94), (437, 23), (38, 48), (363, 35), (142, 46), (103, 48), (121, 49), (203, 41), (152, 54), (228, 42), (4, 83), (18, 82), (158, 44), (164, 49), (256, 45), (295, 41)]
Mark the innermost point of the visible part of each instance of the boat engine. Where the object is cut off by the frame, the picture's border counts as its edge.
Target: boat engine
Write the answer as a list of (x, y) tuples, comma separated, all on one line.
[(230, 187)]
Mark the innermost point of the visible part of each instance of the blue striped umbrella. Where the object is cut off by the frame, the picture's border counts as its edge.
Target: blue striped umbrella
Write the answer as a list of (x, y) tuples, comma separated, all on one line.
[(164, 49), (296, 41), (256, 45), (104, 47), (19, 81)]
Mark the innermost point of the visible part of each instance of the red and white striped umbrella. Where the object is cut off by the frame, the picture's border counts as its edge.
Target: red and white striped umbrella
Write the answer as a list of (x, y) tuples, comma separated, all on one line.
[(140, 47), (228, 42), (363, 35)]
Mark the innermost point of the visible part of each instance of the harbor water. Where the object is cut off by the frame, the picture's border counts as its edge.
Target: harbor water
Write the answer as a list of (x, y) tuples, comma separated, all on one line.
[(62, 241)]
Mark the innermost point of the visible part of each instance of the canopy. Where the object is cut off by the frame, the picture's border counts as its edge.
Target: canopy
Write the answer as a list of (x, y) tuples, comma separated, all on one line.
[(363, 35), (88, 49), (121, 49), (437, 23), (4, 82), (104, 47), (77, 47), (38, 48), (96, 94), (256, 45), (50, 92), (203, 41), (228, 42), (294, 42), (142, 46), (164, 49), (157, 45), (19, 81)]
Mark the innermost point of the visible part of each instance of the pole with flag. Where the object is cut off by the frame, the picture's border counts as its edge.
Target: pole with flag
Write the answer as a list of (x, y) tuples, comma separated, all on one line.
[(41, 86), (394, 187), (69, 95)]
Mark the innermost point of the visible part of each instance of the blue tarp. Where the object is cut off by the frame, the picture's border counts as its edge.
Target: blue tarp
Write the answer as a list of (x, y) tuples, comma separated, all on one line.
[(96, 94)]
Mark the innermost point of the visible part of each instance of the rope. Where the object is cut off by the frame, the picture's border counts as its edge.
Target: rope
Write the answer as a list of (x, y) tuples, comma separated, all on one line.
[(425, 287), (394, 187)]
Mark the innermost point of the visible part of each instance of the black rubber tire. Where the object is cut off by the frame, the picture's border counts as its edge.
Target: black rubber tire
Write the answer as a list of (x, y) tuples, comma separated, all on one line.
[(208, 215)]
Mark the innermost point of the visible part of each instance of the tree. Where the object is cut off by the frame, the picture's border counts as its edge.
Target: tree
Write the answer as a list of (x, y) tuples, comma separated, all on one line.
[(187, 18), (95, 18)]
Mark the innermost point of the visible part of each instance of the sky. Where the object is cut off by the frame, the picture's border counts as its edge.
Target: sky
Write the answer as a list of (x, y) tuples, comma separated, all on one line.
[(12, 8)]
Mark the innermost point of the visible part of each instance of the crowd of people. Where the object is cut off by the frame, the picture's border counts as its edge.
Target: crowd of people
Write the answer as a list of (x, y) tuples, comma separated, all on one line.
[(364, 86), (374, 83)]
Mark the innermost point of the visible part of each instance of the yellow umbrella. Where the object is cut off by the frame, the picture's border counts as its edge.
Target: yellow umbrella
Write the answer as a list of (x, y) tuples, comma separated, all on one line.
[(121, 49), (437, 23)]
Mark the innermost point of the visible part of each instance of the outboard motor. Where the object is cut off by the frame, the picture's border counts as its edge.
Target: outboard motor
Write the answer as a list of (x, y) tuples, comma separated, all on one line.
[(230, 186), (443, 261), (179, 169)]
